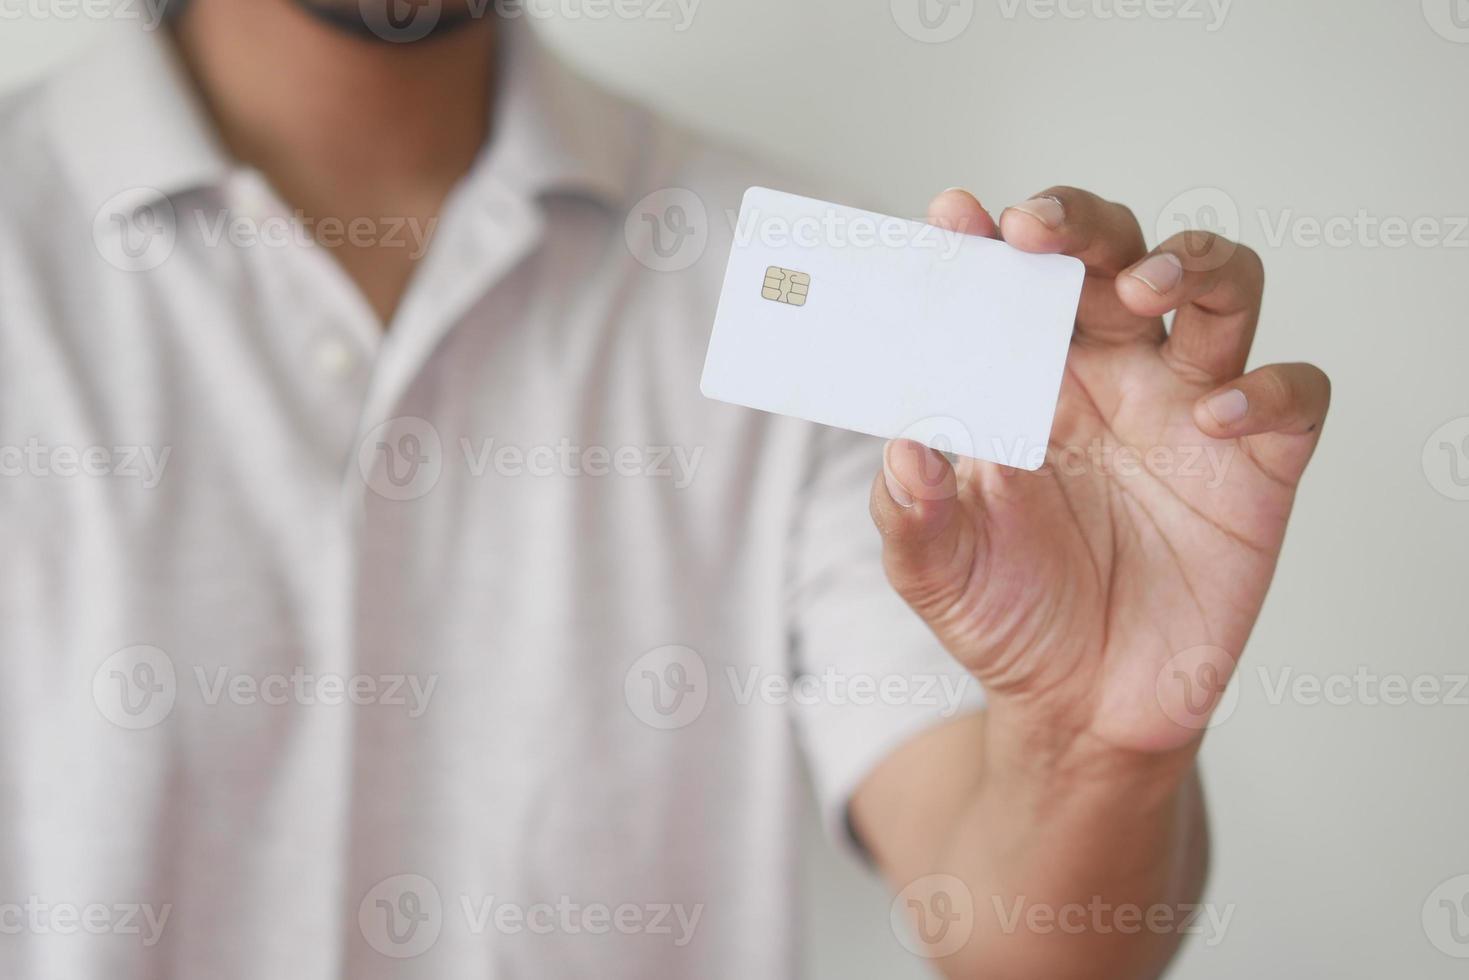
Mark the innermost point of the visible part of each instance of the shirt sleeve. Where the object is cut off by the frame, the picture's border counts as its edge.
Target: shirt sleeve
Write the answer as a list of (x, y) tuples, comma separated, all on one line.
[(873, 673)]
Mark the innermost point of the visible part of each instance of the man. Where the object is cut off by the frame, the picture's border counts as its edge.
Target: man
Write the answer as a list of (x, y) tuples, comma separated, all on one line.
[(386, 601)]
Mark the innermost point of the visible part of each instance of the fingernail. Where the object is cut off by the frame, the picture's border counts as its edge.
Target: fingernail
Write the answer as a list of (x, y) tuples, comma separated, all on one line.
[(1228, 407), (896, 490), (1047, 210), (1160, 272), (962, 190)]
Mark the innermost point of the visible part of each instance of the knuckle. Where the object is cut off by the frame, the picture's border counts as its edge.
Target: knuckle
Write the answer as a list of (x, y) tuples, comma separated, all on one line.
[(1321, 381), (1202, 251), (1079, 205), (879, 513), (1198, 242), (1066, 193), (1276, 388), (930, 590), (1251, 265), (1125, 227)]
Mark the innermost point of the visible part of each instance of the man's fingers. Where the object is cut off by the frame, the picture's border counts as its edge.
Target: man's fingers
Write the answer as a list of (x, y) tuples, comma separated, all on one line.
[(915, 506), (1104, 235), (1291, 399), (1215, 285), (914, 499), (1102, 313), (958, 210), (917, 486)]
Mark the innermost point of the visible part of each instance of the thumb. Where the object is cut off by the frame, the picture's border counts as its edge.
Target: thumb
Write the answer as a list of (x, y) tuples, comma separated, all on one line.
[(929, 543)]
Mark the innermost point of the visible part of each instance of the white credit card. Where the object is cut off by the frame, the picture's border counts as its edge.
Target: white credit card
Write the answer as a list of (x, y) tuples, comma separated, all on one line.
[(892, 327)]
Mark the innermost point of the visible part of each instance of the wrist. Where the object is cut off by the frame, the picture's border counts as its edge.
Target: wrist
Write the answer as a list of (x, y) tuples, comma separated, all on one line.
[(1033, 752)]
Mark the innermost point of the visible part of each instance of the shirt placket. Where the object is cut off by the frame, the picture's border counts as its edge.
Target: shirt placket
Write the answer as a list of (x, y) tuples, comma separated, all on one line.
[(486, 231)]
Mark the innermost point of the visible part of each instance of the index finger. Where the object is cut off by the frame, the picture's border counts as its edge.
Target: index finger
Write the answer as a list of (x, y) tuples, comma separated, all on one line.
[(1105, 236), (958, 210)]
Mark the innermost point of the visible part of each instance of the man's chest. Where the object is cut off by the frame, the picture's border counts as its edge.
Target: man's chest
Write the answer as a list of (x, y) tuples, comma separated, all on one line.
[(272, 485)]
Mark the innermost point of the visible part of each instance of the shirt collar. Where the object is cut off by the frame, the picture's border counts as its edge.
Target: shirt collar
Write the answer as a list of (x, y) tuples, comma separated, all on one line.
[(130, 125), (554, 131), (132, 128)]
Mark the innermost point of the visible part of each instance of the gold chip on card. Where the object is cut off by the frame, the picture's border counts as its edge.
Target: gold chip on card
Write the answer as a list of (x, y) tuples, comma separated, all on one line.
[(786, 286)]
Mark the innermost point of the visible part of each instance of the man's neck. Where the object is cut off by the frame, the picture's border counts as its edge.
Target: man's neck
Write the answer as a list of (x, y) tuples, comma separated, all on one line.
[(343, 127)]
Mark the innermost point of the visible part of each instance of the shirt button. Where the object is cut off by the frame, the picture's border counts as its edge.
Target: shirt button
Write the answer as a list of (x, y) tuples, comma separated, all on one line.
[(252, 197), (334, 358)]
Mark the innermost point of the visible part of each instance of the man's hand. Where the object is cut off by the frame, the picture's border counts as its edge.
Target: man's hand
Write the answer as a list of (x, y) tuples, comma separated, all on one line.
[(1108, 595), (1102, 601)]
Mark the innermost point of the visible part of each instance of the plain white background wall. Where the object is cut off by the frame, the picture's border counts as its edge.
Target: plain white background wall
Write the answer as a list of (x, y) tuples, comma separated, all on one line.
[(1331, 137)]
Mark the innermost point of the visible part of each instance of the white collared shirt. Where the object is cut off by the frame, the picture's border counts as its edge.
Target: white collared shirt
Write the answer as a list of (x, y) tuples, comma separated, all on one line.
[(481, 647)]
